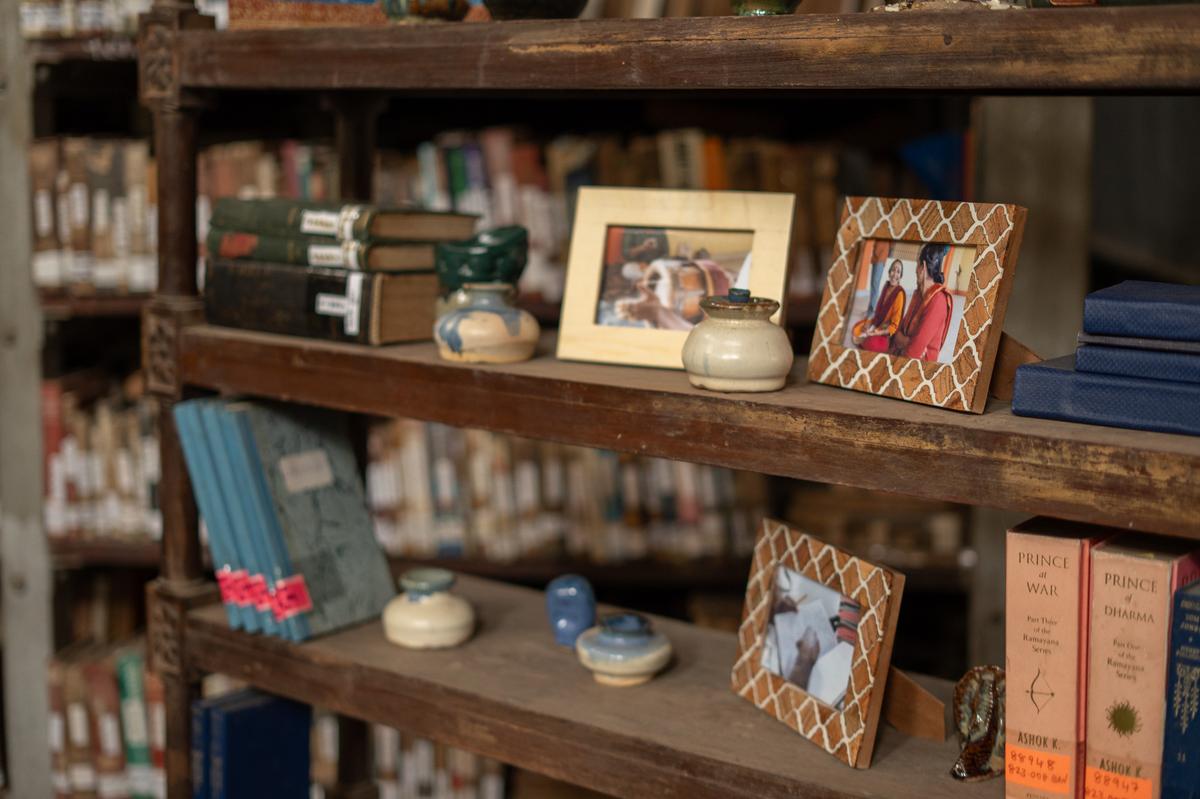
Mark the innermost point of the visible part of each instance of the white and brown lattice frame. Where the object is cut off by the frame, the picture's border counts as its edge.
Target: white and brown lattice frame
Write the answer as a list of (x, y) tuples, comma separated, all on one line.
[(994, 231), (847, 734)]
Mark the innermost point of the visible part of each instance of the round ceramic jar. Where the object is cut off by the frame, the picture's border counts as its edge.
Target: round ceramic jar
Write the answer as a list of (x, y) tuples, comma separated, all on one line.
[(570, 606), (623, 650), (487, 329), (736, 347), (427, 615), (498, 255)]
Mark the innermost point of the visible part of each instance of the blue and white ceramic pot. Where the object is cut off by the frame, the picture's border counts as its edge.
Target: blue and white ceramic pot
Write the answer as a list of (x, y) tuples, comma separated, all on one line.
[(623, 650), (487, 329), (427, 615), (571, 607)]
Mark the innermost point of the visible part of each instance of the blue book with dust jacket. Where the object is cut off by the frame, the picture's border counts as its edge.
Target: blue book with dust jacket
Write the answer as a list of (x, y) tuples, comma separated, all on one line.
[(1142, 309), (1183, 367), (1181, 742)]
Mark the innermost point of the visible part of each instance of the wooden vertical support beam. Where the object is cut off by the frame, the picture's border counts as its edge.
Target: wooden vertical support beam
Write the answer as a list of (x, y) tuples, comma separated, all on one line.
[(23, 553), (180, 586), (1035, 152), (354, 130)]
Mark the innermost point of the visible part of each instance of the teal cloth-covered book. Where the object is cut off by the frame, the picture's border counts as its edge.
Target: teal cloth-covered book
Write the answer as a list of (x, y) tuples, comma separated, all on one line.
[(340, 575), (1181, 742)]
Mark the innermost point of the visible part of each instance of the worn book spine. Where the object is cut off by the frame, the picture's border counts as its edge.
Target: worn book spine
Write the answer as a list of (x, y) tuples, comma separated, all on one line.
[(55, 676), (106, 184), (130, 668), (200, 753), (43, 173), (1144, 309), (1132, 591), (75, 212), (1046, 606), (81, 768), (297, 250), (345, 222), (107, 745), (1181, 744), (156, 727), (1183, 367)]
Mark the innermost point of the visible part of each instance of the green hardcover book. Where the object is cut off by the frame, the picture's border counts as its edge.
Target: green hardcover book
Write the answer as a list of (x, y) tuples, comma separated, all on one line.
[(130, 668), (322, 251), (341, 221)]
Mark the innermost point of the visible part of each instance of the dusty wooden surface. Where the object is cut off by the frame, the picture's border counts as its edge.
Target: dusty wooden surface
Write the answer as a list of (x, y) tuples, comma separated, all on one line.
[(1094, 49), (511, 693), (1098, 474), (26, 566)]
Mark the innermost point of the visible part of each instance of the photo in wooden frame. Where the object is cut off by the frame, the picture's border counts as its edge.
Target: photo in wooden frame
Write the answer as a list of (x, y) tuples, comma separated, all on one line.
[(815, 641), (642, 259), (914, 302)]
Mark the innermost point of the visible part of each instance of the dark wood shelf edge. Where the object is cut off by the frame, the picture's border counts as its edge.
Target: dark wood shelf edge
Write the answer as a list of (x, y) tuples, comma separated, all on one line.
[(66, 306), (106, 47), (87, 553)]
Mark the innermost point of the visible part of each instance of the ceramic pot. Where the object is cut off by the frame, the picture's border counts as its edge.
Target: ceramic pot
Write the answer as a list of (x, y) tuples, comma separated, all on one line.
[(571, 607), (535, 9), (493, 256), (736, 347), (623, 650), (427, 615), (487, 329), (764, 8)]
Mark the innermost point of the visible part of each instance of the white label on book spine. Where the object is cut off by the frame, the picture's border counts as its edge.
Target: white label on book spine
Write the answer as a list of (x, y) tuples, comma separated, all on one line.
[(43, 213), (113, 786), (82, 777), (57, 735), (133, 716), (304, 471), (59, 782), (77, 203), (347, 306), (110, 735), (100, 211), (319, 223), (327, 255), (77, 724), (347, 219)]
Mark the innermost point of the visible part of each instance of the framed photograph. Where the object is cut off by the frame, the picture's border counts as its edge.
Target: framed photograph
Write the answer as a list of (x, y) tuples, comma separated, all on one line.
[(815, 641), (914, 304), (643, 259)]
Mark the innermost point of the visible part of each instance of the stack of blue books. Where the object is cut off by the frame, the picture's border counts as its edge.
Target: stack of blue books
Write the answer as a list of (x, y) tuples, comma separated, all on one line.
[(1137, 364)]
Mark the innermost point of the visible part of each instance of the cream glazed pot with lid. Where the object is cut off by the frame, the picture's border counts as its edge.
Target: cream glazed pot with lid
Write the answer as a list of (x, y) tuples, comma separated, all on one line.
[(427, 615), (737, 347)]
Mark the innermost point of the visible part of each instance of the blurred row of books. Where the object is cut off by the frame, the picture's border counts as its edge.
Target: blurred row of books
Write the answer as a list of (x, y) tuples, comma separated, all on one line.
[(58, 19)]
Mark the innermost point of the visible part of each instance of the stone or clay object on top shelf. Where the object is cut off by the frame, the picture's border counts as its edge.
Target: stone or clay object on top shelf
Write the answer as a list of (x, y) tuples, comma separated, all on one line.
[(764, 8), (498, 255), (979, 716), (571, 607), (736, 347), (488, 328), (427, 615), (623, 650), (535, 9)]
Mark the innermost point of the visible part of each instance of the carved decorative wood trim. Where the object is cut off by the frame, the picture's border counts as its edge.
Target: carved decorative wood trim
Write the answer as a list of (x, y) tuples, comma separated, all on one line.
[(158, 50), (162, 321), (167, 606)]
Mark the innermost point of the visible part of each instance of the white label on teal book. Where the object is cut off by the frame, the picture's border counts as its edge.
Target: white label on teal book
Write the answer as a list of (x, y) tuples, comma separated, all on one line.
[(326, 255), (319, 223), (345, 306), (304, 471), (133, 716)]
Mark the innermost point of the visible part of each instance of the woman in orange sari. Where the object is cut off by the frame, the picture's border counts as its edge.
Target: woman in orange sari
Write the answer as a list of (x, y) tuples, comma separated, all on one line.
[(875, 333), (925, 326)]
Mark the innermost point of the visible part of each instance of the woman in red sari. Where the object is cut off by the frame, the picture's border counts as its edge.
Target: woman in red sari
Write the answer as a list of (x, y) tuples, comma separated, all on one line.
[(925, 326), (875, 334)]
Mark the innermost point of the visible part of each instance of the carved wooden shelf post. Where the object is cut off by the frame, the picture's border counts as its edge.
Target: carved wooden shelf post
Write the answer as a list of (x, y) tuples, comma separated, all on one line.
[(180, 586)]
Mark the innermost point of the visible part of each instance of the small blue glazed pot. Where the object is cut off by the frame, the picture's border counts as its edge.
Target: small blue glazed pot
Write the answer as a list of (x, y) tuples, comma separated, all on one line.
[(623, 650), (571, 606), (487, 328)]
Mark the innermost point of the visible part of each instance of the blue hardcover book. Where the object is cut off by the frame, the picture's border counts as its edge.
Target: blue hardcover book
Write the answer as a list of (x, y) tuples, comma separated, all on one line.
[(1054, 390), (308, 466), (200, 750), (235, 493), (1182, 367), (257, 499), (1142, 309), (204, 484), (1125, 342), (1181, 743), (259, 748)]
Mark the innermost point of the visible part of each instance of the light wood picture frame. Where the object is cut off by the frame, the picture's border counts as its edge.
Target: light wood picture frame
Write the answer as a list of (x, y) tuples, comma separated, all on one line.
[(761, 222), (983, 239), (845, 730)]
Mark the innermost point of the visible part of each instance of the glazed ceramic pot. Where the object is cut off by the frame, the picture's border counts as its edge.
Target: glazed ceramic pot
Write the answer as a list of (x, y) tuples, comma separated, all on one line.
[(535, 9), (427, 615), (426, 9), (737, 347), (571, 607), (488, 328), (764, 8), (493, 256), (623, 650)]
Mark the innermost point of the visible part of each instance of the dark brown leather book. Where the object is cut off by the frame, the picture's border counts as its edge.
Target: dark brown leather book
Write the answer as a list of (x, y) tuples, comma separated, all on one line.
[(333, 304)]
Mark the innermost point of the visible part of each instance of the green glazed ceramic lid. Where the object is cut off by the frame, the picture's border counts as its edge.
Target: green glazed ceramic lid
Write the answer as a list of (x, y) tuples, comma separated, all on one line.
[(426, 580), (497, 255)]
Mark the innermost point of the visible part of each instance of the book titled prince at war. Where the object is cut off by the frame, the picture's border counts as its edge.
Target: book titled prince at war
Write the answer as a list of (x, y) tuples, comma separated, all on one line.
[(373, 308), (1046, 648), (1134, 581)]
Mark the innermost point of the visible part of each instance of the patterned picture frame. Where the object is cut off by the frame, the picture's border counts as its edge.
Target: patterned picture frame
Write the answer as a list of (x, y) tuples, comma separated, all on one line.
[(994, 230), (847, 734)]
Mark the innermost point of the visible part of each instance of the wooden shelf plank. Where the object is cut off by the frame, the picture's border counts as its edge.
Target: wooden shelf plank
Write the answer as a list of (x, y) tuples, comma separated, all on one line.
[(510, 693), (73, 554), (1124, 478), (1076, 50), (82, 48), (66, 306)]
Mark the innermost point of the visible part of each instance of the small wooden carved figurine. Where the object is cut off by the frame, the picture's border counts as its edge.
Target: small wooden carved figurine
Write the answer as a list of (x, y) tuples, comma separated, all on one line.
[(979, 716)]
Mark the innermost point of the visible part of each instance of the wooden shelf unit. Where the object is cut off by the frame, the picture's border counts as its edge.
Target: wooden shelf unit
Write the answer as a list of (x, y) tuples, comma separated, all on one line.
[(82, 48), (129, 553), (512, 694), (509, 693), (60, 306)]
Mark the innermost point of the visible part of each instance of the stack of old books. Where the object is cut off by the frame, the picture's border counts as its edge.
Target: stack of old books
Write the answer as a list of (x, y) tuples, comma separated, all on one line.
[(326, 270), (1137, 365)]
